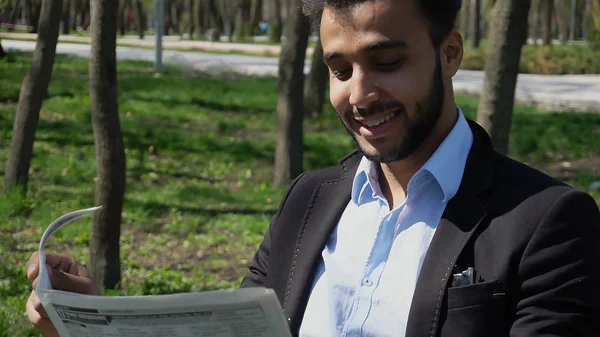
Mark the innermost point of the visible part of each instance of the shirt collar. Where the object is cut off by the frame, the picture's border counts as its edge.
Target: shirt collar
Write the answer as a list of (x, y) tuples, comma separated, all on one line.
[(446, 165)]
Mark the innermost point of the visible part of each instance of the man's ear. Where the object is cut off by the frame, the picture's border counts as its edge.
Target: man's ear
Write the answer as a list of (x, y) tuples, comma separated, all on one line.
[(451, 53)]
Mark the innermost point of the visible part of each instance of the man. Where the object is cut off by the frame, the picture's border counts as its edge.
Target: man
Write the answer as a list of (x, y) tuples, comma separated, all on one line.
[(425, 231)]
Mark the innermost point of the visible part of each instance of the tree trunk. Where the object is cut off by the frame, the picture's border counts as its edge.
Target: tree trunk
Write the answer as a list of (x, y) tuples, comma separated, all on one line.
[(110, 154), (2, 52), (75, 5), (563, 13), (316, 84), (191, 18), (475, 16), (199, 17), (464, 20), (140, 19), (290, 114), (26, 9), (547, 14), (121, 20), (33, 91), (256, 12), (14, 16), (35, 16), (508, 30), (275, 21), (66, 26), (175, 18)]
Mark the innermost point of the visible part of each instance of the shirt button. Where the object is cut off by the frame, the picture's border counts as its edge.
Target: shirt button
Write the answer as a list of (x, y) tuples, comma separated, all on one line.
[(367, 282)]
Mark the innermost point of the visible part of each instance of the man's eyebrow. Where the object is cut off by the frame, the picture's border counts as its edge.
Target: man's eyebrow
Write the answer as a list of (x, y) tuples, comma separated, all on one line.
[(388, 44), (382, 45)]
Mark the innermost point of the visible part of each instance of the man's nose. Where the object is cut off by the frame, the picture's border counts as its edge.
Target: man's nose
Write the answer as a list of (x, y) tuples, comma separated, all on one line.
[(363, 90)]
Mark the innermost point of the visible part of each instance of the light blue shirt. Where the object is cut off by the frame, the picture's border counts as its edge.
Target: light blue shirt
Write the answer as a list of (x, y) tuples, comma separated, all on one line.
[(366, 279)]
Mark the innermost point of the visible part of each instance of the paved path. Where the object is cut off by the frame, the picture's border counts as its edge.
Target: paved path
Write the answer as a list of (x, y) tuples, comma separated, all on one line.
[(565, 92)]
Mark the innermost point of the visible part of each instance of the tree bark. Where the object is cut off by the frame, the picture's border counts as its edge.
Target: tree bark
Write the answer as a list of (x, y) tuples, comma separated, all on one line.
[(110, 154), (33, 91), (191, 18), (121, 17), (475, 17), (508, 30), (35, 16), (464, 20), (66, 15), (288, 153), (256, 12), (26, 9), (140, 18), (75, 5), (316, 84), (547, 14), (275, 21)]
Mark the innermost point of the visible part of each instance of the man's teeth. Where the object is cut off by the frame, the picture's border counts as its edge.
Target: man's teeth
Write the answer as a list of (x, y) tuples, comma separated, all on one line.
[(379, 121)]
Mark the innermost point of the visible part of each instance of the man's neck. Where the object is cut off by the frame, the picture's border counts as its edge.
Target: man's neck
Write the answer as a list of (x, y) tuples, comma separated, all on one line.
[(395, 176)]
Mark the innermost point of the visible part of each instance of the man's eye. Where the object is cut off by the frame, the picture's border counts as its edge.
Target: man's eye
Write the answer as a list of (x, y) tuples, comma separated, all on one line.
[(339, 73), (388, 65)]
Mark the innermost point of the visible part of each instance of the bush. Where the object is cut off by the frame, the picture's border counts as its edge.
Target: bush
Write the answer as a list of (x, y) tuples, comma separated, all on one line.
[(546, 60)]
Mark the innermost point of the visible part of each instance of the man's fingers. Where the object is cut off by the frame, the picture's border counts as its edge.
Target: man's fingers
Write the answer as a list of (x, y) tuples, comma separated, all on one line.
[(33, 266), (36, 304), (66, 264), (38, 317), (55, 261), (77, 284)]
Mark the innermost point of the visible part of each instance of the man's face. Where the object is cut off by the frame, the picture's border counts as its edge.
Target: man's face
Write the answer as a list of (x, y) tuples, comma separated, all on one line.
[(386, 79)]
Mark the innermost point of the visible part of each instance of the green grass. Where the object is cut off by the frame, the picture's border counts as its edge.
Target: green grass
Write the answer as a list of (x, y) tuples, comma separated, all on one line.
[(199, 165)]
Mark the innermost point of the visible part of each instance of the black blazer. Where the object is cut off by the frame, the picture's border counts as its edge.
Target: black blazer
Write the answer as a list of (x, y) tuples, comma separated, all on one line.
[(534, 242)]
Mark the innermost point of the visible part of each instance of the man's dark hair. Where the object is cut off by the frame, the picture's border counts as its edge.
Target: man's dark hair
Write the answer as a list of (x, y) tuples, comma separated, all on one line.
[(439, 14)]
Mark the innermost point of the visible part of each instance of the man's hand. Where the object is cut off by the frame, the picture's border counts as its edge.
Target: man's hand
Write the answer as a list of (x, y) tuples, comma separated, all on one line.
[(65, 274)]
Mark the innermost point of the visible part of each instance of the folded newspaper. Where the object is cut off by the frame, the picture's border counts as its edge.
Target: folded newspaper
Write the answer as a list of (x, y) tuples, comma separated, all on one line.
[(251, 312)]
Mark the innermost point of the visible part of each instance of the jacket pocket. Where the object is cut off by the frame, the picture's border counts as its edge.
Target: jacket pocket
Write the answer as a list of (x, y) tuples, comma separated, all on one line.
[(474, 294), (472, 311)]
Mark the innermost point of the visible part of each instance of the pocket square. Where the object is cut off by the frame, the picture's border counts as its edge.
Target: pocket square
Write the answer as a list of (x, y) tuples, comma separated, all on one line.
[(464, 278)]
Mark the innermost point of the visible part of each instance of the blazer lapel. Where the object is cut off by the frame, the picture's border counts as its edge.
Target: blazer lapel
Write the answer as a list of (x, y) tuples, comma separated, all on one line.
[(325, 208), (460, 219)]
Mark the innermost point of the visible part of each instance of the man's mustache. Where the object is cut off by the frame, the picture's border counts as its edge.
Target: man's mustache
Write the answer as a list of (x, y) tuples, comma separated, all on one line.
[(377, 109)]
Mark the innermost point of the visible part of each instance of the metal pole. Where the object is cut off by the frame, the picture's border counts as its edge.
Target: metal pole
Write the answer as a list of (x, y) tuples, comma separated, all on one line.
[(573, 19), (159, 33)]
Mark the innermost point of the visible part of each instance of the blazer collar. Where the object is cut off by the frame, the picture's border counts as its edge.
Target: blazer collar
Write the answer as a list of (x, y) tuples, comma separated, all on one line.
[(460, 220)]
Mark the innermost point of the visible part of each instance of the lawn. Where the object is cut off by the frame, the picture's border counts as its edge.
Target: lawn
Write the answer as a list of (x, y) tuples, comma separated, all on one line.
[(199, 164)]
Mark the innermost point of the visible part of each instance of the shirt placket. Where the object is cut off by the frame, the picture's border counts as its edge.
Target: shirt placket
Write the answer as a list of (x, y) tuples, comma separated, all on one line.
[(373, 270)]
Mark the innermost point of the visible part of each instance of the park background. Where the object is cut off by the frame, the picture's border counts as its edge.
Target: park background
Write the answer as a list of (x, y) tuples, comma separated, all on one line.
[(193, 153)]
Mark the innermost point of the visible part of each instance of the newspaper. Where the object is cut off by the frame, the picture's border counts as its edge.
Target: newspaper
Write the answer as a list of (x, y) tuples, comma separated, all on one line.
[(250, 312)]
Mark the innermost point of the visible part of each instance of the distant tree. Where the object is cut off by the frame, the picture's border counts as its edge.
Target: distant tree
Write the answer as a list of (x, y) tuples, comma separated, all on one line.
[(275, 21), (290, 114), (316, 83), (507, 32), (474, 24), (75, 8), (110, 155), (191, 15), (256, 12), (465, 14), (547, 7), (33, 91), (140, 18), (66, 14), (26, 8)]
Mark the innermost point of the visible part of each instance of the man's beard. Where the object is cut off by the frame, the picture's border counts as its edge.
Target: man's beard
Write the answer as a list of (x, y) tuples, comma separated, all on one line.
[(428, 112)]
